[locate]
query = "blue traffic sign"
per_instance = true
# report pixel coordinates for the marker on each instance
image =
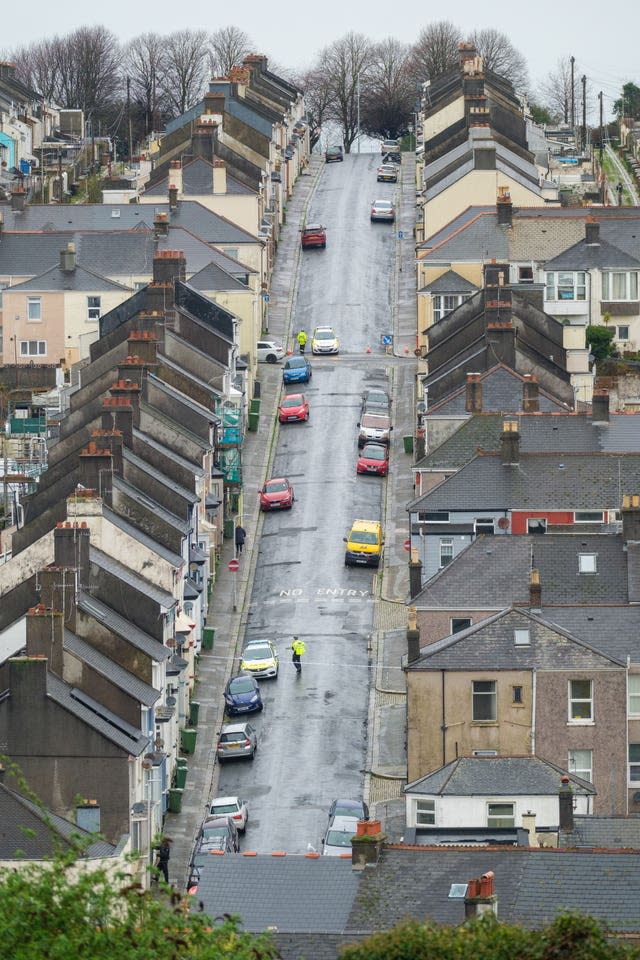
(387, 339)
(266, 297)
(400, 234)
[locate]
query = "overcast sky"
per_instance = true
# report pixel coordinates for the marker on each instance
(603, 37)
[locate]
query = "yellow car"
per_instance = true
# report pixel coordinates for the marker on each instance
(260, 659)
(364, 544)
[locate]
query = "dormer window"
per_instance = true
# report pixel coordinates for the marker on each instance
(620, 285)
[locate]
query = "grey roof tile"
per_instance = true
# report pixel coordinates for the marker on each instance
(197, 180)
(104, 665)
(501, 776)
(182, 526)
(124, 628)
(613, 833)
(612, 629)
(450, 282)
(79, 279)
(103, 721)
(159, 477)
(501, 392)
(593, 256)
(119, 570)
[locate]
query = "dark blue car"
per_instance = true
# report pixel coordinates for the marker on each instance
(296, 370)
(242, 695)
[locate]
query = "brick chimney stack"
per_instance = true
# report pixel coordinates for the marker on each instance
(510, 443)
(501, 335)
(504, 207)
(480, 898)
(473, 399)
(71, 542)
(18, 199)
(413, 637)
(219, 176)
(415, 574)
(592, 231)
(565, 808)
(530, 394)
(160, 225)
(68, 258)
(631, 518)
(600, 407)
(45, 635)
(535, 592)
(169, 265)
(96, 467)
(175, 178)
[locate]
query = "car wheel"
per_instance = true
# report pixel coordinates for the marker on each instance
(271, 358)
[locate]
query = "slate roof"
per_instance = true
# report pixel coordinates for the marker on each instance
(489, 645)
(126, 681)
(95, 715)
(175, 559)
(315, 904)
(494, 571)
(119, 570)
(182, 492)
(613, 833)
(213, 277)
(144, 439)
(197, 180)
(613, 630)
(189, 214)
(78, 279)
(501, 391)
(180, 525)
(593, 256)
(449, 282)
(30, 832)
(124, 628)
(497, 776)
(556, 432)
(540, 481)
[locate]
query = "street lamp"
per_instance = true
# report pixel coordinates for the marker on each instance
(358, 96)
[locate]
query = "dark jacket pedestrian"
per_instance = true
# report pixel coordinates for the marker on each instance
(241, 536)
(164, 853)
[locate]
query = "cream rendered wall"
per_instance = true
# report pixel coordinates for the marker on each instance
(477, 188)
(79, 332)
(472, 811)
(241, 209)
(445, 117)
(245, 306)
(50, 328)
(249, 254)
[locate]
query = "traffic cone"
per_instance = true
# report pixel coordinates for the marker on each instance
(289, 352)
(406, 349)
(368, 350)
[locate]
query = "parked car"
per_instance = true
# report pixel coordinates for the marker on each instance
(375, 400)
(393, 156)
(237, 741)
(383, 210)
(374, 427)
(324, 340)
(349, 808)
(334, 153)
(337, 839)
(364, 544)
(296, 370)
(232, 807)
(293, 407)
(374, 458)
(212, 829)
(387, 173)
(260, 659)
(269, 351)
(313, 235)
(242, 695)
(276, 494)
(389, 145)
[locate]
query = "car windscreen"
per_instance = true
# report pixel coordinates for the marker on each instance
(325, 335)
(242, 685)
(275, 487)
(232, 737)
(374, 452)
(221, 831)
(363, 536)
(224, 808)
(258, 653)
(291, 401)
(295, 362)
(339, 838)
(380, 423)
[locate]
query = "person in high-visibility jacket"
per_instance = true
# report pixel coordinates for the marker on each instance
(298, 649)
(302, 341)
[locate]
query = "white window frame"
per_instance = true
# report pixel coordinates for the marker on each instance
(445, 303)
(526, 274)
(445, 544)
(522, 637)
(620, 286)
(584, 770)
(587, 563)
(496, 819)
(573, 283)
(94, 312)
(484, 522)
(40, 348)
(34, 306)
(575, 702)
(482, 697)
(425, 812)
(633, 694)
(633, 765)
(622, 337)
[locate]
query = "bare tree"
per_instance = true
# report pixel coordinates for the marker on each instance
(145, 66)
(318, 97)
(555, 91)
(186, 68)
(88, 63)
(37, 67)
(229, 47)
(346, 63)
(501, 57)
(435, 51)
(388, 98)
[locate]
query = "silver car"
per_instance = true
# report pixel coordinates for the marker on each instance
(383, 210)
(237, 741)
(337, 839)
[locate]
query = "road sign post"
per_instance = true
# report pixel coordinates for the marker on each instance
(407, 545)
(234, 566)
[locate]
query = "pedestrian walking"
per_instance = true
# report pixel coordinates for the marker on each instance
(241, 536)
(297, 646)
(302, 341)
(164, 853)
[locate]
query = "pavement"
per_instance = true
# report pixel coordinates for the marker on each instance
(385, 773)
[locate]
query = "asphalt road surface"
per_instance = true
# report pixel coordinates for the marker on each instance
(312, 732)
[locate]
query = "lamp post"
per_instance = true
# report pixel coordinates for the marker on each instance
(358, 108)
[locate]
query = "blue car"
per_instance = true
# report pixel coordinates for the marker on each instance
(296, 370)
(242, 695)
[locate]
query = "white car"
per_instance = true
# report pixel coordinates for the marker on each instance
(232, 807)
(260, 659)
(324, 340)
(269, 351)
(337, 839)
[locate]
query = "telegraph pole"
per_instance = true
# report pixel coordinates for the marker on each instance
(129, 121)
(573, 97)
(584, 112)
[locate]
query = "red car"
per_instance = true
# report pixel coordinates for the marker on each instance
(314, 235)
(276, 494)
(373, 458)
(293, 407)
